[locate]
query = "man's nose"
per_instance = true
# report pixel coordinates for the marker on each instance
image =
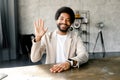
(64, 21)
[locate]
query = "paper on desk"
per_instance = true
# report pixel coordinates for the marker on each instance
(3, 75)
(26, 77)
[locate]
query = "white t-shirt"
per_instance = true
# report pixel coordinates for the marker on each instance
(60, 53)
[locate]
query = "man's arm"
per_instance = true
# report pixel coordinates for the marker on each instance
(38, 47)
(36, 51)
(82, 54)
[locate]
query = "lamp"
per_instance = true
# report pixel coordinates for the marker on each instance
(100, 25)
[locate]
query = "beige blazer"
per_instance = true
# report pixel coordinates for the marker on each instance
(74, 48)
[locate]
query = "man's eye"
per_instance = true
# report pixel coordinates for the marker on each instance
(60, 18)
(68, 20)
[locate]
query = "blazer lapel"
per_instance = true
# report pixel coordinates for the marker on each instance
(53, 39)
(67, 45)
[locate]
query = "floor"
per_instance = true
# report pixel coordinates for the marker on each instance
(21, 61)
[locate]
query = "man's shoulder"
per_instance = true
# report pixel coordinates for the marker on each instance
(73, 33)
(50, 34)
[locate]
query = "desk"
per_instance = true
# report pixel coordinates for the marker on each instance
(97, 69)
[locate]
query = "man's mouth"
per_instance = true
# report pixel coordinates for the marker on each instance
(64, 25)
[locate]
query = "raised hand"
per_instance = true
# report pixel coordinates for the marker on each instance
(39, 29)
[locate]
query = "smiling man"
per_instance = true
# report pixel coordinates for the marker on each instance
(63, 47)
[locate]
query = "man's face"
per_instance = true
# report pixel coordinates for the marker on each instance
(63, 22)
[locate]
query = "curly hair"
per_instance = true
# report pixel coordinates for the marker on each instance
(67, 10)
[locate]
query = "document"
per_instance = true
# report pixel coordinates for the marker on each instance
(3, 75)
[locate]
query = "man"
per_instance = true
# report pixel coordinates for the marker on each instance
(64, 48)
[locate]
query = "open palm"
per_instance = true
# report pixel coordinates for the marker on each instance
(39, 28)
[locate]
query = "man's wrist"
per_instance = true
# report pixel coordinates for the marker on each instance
(72, 62)
(37, 38)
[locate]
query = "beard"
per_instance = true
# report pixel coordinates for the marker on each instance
(63, 30)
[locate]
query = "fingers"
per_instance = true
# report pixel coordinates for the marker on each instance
(60, 67)
(39, 27)
(35, 26)
(56, 68)
(39, 23)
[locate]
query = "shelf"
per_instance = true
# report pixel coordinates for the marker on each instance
(82, 25)
(85, 42)
(85, 32)
(80, 18)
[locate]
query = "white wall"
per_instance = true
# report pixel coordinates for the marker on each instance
(107, 11)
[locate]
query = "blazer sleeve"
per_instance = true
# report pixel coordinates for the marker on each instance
(81, 52)
(37, 50)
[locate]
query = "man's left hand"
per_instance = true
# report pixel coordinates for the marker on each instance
(60, 67)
